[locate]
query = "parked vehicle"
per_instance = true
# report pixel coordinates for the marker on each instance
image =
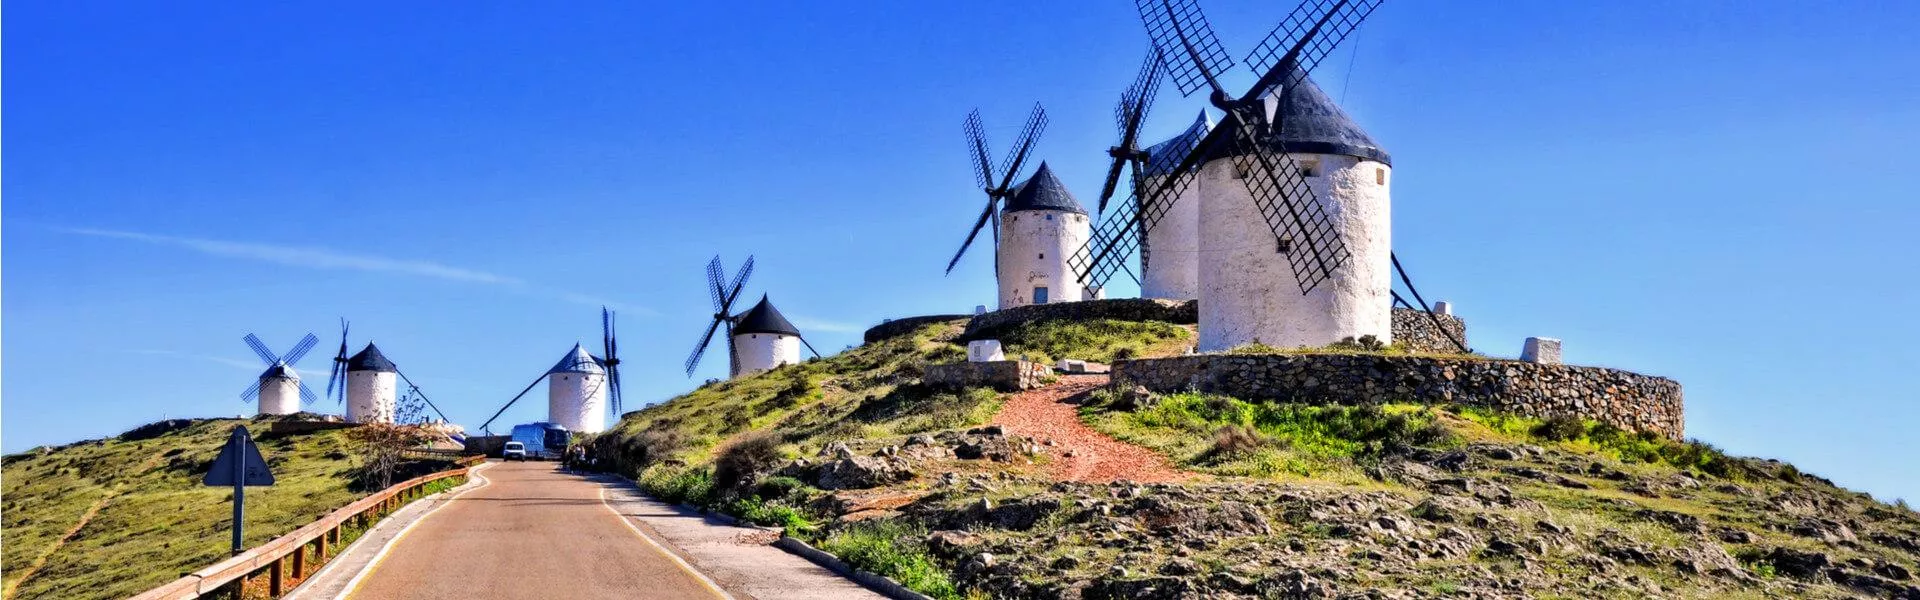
(514, 451)
(543, 441)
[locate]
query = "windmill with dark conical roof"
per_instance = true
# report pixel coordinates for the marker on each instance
(368, 383)
(1293, 236)
(758, 339)
(1041, 226)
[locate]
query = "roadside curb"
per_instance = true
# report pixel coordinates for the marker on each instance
(880, 584)
(886, 586)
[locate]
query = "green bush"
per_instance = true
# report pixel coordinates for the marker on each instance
(1319, 431)
(894, 550)
(769, 514)
(680, 486)
(779, 487)
(1560, 428)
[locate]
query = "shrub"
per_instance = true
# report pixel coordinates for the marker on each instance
(1560, 428)
(1236, 441)
(747, 455)
(779, 487)
(681, 486)
(894, 550)
(769, 514)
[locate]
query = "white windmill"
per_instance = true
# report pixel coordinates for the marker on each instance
(581, 387)
(279, 388)
(368, 383)
(759, 339)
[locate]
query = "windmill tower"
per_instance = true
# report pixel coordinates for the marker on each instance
(1041, 226)
(577, 392)
(581, 387)
(758, 339)
(763, 339)
(1292, 215)
(369, 384)
(372, 384)
(279, 389)
(1170, 254)
(1039, 221)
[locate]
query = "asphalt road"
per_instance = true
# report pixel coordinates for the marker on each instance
(533, 532)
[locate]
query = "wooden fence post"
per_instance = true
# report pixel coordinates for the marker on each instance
(300, 561)
(276, 578)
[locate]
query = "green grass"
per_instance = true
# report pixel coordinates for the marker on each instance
(894, 550)
(1102, 341)
(157, 521)
(1294, 439)
(1590, 436)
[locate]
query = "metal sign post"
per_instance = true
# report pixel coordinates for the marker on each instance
(239, 465)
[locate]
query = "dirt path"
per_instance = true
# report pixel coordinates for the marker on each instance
(1082, 454)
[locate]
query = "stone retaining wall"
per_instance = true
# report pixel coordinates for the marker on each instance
(1414, 330)
(993, 324)
(1003, 375)
(1620, 398)
(906, 326)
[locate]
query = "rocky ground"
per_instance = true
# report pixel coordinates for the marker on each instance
(972, 494)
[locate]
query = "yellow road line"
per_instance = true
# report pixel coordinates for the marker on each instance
(662, 549)
(361, 577)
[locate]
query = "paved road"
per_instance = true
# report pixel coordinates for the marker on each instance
(532, 532)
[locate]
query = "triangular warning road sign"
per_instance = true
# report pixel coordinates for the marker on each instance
(239, 459)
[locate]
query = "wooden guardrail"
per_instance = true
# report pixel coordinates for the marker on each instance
(285, 559)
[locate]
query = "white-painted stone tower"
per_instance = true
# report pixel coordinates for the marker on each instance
(1248, 290)
(279, 390)
(371, 387)
(1040, 227)
(763, 339)
(1170, 256)
(577, 392)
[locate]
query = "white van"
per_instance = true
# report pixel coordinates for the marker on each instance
(514, 451)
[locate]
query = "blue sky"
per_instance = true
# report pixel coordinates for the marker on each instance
(1720, 192)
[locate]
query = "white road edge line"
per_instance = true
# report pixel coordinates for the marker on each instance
(353, 585)
(662, 549)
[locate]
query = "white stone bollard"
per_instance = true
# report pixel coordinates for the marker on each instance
(1068, 365)
(1541, 350)
(984, 351)
(1442, 307)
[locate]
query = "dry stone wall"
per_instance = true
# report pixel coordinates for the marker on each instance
(1623, 399)
(1124, 309)
(1003, 375)
(1417, 332)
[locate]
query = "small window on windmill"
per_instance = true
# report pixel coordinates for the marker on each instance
(1379, 176)
(1043, 256)
(1049, 217)
(1285, 246)
(1309, 168)
(1040, 295)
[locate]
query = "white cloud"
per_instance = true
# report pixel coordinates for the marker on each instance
(253, 365)
(322, 258)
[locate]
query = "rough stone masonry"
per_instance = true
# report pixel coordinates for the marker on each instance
(1623, 399)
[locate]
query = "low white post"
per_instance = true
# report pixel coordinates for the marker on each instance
(985, 351)
(1541, 350)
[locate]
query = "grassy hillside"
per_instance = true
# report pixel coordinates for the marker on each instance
(1283, 501)
(110, 518)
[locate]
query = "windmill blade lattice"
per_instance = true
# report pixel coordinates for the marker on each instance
(1309, 33)
(1299, 222)
(260, 348)
(985, 174)
(300, 349)
(1177, 27)
(723, 297)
